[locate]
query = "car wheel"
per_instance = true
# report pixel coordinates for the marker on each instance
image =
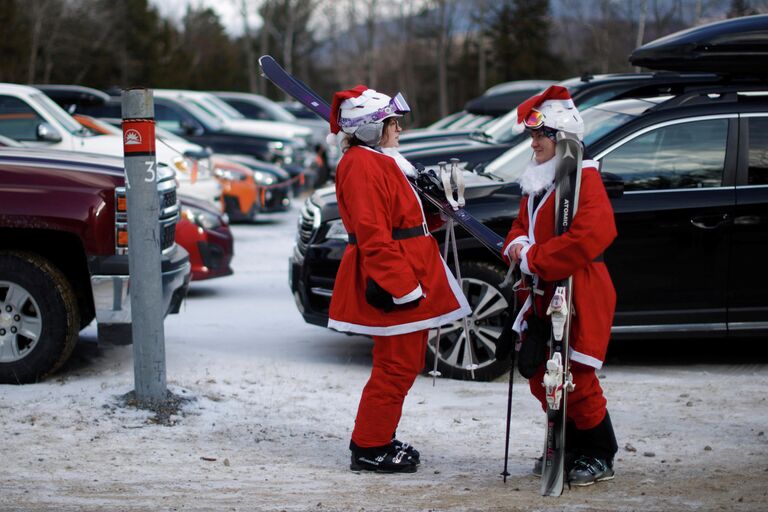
(39, 318)
(459, 351)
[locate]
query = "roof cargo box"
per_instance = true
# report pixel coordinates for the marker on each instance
(737, 46)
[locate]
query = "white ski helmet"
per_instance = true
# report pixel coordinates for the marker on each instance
(361, 112)
(554, 109)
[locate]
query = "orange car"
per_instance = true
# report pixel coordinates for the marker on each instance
(239, 193)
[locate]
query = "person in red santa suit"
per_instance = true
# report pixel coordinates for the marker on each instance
(392, 283)
(545, 258)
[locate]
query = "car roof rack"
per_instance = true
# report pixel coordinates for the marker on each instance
(706, 94)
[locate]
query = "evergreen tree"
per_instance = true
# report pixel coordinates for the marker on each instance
(13, 43)
(213, 56)
(519, 35)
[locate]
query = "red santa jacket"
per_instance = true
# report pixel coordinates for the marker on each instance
(375, 198)
(552, 258)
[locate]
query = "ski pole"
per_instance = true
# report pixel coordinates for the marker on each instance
(505, 473)
(512, 312)
(467, 335)
(448, 231)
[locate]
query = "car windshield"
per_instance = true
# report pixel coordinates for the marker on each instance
(218, 108)
(202, 115)
(277, 112)
(66, 120)
(598, 122)
(502, 130)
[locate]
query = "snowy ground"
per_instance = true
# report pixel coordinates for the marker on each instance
(275, 400)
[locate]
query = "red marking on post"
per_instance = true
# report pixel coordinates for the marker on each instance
(139, 136)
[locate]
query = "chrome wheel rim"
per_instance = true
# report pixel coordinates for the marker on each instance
(20, 322)
(489, 309)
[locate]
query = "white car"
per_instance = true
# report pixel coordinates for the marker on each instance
(194, 175)
(234, 120)
(29, 116)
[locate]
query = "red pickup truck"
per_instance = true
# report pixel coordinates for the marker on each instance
(63, 256)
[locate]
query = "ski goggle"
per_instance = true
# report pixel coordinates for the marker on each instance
(397, 106)
(534, 120)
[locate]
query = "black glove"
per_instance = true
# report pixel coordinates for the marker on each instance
(380, 298)
(533, 351)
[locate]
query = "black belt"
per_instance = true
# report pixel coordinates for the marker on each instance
(400, 233)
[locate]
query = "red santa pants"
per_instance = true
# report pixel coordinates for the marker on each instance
(397, 360)
(586, 403)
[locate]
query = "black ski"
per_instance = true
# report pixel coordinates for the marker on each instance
(557, 380)
(423, 185)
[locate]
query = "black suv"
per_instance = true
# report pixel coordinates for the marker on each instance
(688, 174)
(480, 147)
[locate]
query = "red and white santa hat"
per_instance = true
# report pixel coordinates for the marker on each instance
(554, 109)
(353, 108)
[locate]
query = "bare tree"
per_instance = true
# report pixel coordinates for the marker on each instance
(445, 10)
(254, 84)
(42, 16)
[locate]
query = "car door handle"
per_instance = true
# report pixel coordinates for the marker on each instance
(710, 221)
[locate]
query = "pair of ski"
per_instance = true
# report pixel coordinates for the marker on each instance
(427, 185)
(423, 185)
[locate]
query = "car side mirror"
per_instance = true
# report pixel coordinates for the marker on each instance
(613, 184)
(190, 127)
(200, 154)
(47, 133)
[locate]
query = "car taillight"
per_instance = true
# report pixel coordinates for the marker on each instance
(121, 237)
(121, 221)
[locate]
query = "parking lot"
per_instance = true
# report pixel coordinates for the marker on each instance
(275, 398)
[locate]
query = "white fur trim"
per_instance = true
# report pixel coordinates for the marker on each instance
(408, 297)
(537, 177)
(429, 323)
(585, 359)
(394, 330)
(518, 326)
(524, 260)
(337, 139)
(522, 239)
(401, 161)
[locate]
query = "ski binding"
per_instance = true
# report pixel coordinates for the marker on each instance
(558, 311)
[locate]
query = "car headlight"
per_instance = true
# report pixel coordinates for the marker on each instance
(281, 151)
(336, 231)
(226, 174)
(263, 178)
(202, 218)
(180, 164)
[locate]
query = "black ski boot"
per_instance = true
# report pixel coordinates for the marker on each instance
(588, 470)
(596, 451)
(381, 459)
(407, 448)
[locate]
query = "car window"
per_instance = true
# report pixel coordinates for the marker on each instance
(168, 118)
(18, 120)
(584, 103)
(54, 110)
(758, 151)
(249, 110)
(678, 156)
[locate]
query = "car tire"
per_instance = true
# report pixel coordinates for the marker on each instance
(490, 309)
(39, 318)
